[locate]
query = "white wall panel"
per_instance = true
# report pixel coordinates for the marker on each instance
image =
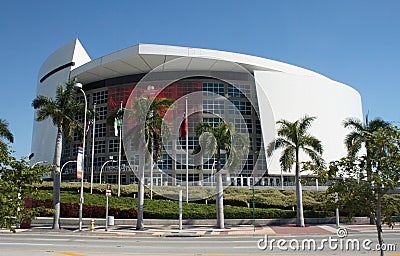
(293, 96)
(44, 132)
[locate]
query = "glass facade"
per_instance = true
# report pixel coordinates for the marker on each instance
(111, 93)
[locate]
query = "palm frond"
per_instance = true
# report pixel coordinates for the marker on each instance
(288, 130)
(62, 109)
(305, 124)
(5, 132)
(315, 156)
(41, 101)
(148, 126)
(377, 123)
(360, 131)
(353, 142)
(277, 144)
(353, 123)
(293, 136)
(287, 158)
(203, 127)
(312, 142)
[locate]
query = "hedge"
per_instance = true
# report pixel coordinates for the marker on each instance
(269, 203)
(71, 210)
(167, 209)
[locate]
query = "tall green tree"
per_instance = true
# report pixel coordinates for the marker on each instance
(147, 133)
(293, 137)
(62, 110)
(355, 140)
(383, 159)
(16, 179)
(5, 132)
(225, 138)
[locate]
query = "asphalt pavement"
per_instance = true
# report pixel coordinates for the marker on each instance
(168, 240)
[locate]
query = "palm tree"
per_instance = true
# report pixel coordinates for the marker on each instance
(148, 116)
(5, 132)
(222, 138)
(62, 110)
(359, 134)
(294, 137)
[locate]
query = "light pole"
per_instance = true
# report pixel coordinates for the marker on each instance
(337, 209)
(62, 167)
(93, 133)
(119, 154)
(102, 167)
(254, 207)
(151, 174)
(150, 88)
(187, 150)
(79, 86)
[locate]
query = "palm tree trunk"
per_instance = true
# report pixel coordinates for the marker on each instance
(216, 199)
(220, 201)
(299, 195)
(378, 222)
(139, 223)
(56, 180)
(368, 167)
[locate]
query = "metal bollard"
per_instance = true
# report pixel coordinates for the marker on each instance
(92, 225)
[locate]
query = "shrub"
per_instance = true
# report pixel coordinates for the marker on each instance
(269, 203)
(317, 214)
(71, 210)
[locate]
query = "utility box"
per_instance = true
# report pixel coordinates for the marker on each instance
(110, 220)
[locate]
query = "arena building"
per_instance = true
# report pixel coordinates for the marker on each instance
(251, 92)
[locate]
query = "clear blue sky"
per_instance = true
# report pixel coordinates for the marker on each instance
(356, 42)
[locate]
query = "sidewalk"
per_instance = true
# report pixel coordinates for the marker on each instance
(199, 231)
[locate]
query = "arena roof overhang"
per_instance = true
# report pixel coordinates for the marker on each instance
(143, 58)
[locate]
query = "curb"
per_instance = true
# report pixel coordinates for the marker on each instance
(201, 222)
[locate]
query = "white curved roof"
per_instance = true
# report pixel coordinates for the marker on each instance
(143, 58)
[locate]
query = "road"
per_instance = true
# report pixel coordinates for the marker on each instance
(76, 244)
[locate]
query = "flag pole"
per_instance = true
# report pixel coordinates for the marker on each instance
(119, 155)
(93, 135)
(187, 151)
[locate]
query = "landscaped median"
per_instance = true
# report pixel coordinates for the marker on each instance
(269, 204)
(166, 209)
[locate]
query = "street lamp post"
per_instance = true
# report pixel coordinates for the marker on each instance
(62, 167)
(254, 207)
(102, 167)
(79, 86)
(337, 209)
(150, 88)
(151, 174)
(187, 150)
(93, 136)
(119, 155)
